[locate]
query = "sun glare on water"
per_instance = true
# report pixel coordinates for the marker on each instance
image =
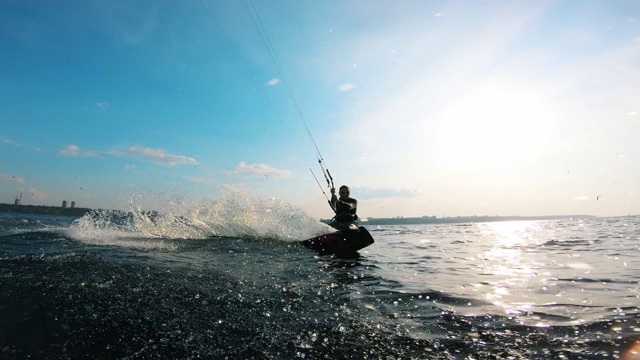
(512, 269)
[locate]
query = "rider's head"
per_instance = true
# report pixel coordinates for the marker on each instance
(344, 192)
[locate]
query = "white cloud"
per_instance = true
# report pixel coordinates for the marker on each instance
(144, 153)
(103, 105)
(346, 87)
(259, 170)
(159, 156)
(11, 142)
(70, 150)
(74, 151)
(272, 82)
(232, 188)
(12, 178)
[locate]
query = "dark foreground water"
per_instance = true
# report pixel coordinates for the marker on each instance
(107, 287)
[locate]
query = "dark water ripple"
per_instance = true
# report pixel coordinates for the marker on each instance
(481, 292)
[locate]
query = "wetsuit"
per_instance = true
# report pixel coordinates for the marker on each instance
(346, 214)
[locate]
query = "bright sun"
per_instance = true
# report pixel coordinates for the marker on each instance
(496, 125)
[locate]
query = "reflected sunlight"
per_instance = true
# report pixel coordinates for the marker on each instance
(509, 264)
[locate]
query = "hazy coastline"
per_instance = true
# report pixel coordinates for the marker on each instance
(44, 210)
(78, 212)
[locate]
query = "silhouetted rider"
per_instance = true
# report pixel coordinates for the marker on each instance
(345, 208)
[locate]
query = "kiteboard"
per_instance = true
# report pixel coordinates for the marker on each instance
(343, 242)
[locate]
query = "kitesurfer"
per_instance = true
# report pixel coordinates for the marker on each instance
(345, 208)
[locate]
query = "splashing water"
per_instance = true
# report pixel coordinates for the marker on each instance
(239, 215)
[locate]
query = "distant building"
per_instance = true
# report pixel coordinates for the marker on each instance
(64, 204)
(73, 204)
(18, 200)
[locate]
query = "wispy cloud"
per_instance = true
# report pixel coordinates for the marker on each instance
(18, 145)
(272, 82)
(144, 153)
(7, 177)
(70, 150)
(244, 169)
(74, 151)
(102, 105)
(159, 156)
(346, 87)
(378, 193)
(11, 142)
(232, 188)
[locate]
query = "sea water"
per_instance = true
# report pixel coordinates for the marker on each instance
(227, 279)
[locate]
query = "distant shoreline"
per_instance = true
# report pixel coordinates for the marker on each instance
(79, 212)
(460, 219)
(44, 210)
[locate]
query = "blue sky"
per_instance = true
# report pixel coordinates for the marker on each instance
(423, 107)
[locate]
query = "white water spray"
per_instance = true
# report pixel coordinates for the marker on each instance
(239, 215)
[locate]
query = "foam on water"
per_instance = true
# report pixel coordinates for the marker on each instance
(239, 215)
